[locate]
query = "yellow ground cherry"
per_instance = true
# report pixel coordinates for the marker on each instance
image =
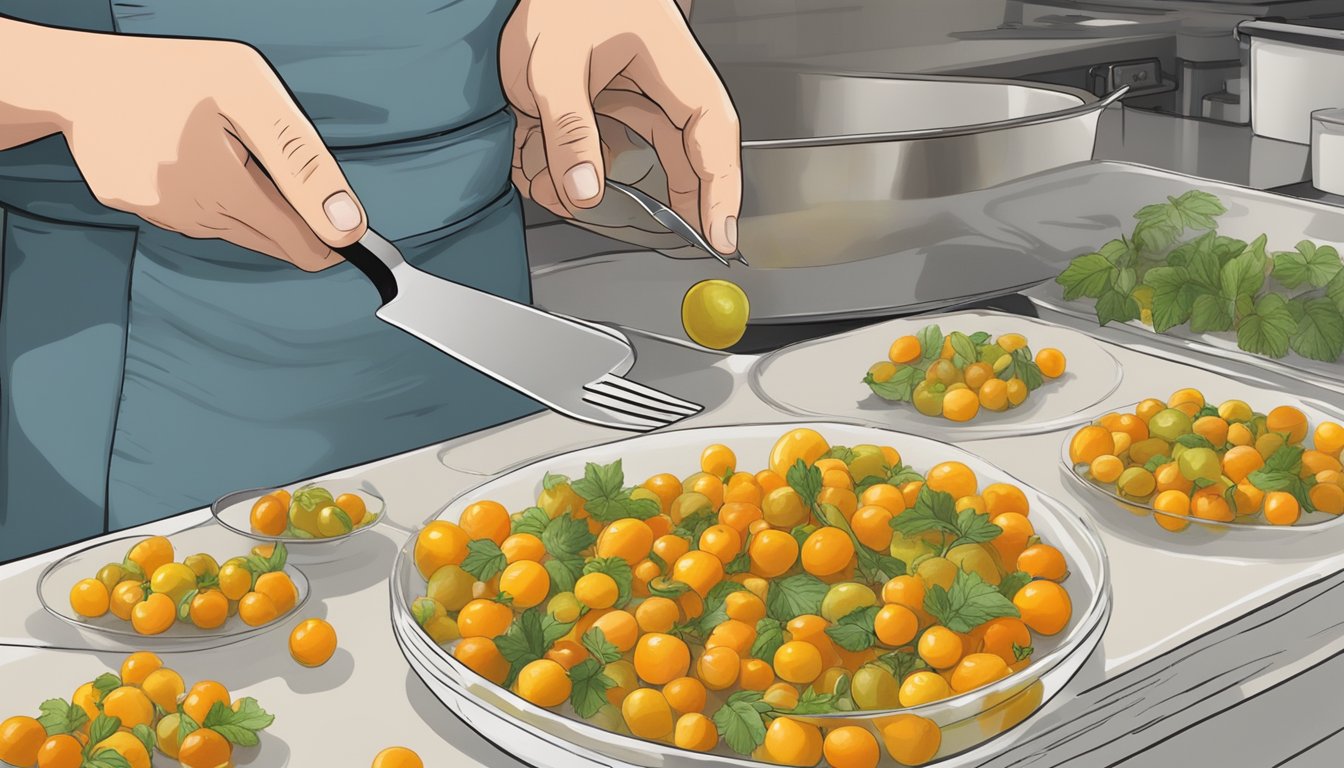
(61, 751)
(851, 746)
(895, 625)
(698, 570)
(164, 687)
(872, 525)
(695, 732)
(527, 582)
(397, 757)
(940, 647)
(312, 642)
(480, 655)
(660, 659)
(154, 615)
(961, 405)
(486, 520)
(826, 551)
(798, 662)
(911, 739)
(204, 748)
(685, 694)
(544, 682)
(1281, 508)
(202, 697)
(522, 546)
(90, 598)
(1089, 443)
(772, 553)
(280, 588)
(1290, 420)
(657, 614)
(596, 590)
(256, 609)
(647, 714)
(131, 748)
(1042, 561)
(976, 670)
(20, 740)
(440, 543)
(904, 349)
(722, 542)
(627, 538)
(952, 477)
(1045, 606)
(484, 618)
(209, 609)
(718, 668)
(793, 742)
(755, 675)
(744, 606)
(620, 629)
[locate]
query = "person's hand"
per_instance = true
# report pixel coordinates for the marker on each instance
(636, 61)
(207, 142)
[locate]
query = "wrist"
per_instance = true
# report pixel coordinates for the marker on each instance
(42, 79)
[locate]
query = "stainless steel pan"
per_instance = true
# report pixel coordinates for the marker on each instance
(828, 159)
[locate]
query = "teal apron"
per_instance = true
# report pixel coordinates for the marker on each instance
(143, 373)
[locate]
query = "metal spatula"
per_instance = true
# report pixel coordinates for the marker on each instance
(571, 366)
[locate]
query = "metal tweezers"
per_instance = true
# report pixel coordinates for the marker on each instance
(674, 223)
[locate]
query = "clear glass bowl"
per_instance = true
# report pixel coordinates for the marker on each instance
(107, 632)
(234, 512)
(1082, 475)
(543, 737)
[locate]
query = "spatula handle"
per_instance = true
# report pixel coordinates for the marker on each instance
(375, 257)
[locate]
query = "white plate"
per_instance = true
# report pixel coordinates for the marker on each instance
(824, 378)
(107, 632)
(542, 737)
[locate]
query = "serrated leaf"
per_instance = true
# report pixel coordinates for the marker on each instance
(769, 637)
(1116, 307)
(970, 603)
(551, 481)
(933, 511)
(566, 536)
(1012, 583)
(1268, 330)
(715, 610)
(102, 727)
(605, 496)
(533, 520)
(1087, 276)
(1320, 330)
(1211, 313)
(589, 686)
(1244, 275)
(1288, 458)
(595, 641)
(527, 639)
(902, 663)
(855, 631)
(900, 388)
(1192, 440)
(146, 737)
(185, 725)
(810, 702)
(620, 572)
(1308, 264)
(1173, 296)
(484, 559)
(564, 573)
(805, 480)
(106, 683)
(741, 723)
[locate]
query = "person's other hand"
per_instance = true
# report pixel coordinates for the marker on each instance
(201, 137)
(562, 61)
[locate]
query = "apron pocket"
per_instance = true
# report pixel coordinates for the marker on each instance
(64, 294)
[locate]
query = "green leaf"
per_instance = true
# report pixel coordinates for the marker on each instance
(1205, 263)
(106, 683)
(619, 571)
(694, 524)
(974, 528)
(741, 721)
(533, 520)
(1022, 653)
(590, 684)
(1211, 314)
(241, 737)
(1156, 462)
(1126, 279)
(840, 452)
(900, 388)
(1288, 458)
(741, 563)
(980, 338)
(528, 638)
(970, 603)
(1116, 307)
(902, 663)
(1320, 330)
(108, 758)
(1089, 276)
(963, 348)
(550, 481)
(1244, 275)
(1192, 440)
(930, 342)
(1195, 210)
(769, 636)
(102, 727)
(605, 497)
(669, 588)
(855, 631)
(311, 497)
(146, 737)
(933, 511)
(566, 536)
(1119, 253)
(599, 647)
(811, 703)
(795, 596)
(1026, 369)
(1268, 330)
(59, 716)
(564, 572)
(218, 715)
(1012, 583)
(1307, 265)
(806, 481)
(484, 559)
(878, 567)
(1173, 296)
(185, 725)
(1335, 290)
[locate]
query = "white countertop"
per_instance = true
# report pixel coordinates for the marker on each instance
(1173, 599)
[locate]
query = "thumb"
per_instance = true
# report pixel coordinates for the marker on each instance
(305, 172)
(569, 130)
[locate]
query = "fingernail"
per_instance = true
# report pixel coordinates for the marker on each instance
(342, 211)
(581, 182)
(730, 232)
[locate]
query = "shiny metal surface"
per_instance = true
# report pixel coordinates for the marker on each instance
(828, 159)
(669, 218)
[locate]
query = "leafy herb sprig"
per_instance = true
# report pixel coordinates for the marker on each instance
(1273, 302)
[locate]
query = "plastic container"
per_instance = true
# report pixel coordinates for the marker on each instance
(1295, 70)
(1327, 150)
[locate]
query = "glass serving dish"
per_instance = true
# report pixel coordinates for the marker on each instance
(540, 736)
(107, 632)
(234, 512)
(824, 378)
(1315, 414)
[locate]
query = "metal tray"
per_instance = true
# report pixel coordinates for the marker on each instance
(824, 378)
